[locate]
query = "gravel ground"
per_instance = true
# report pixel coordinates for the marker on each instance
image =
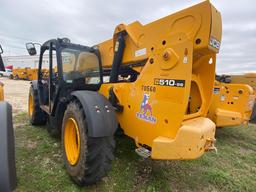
(16, 93)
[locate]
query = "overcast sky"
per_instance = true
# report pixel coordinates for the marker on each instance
(90, 22)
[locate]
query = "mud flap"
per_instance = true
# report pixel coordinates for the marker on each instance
(8, 180)
(100, 114)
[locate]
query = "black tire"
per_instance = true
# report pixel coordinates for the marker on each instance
(37, 116)
(1, 75)
(11, 76)
(8, 178)
(96, 154)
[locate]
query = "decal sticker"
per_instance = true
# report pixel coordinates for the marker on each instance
(216, 91)
(170, 82)
(140, 52)
(222, 98)
(235, 97)
(146, 110)
(185, 59)
(148, 88)
(116, 46)
(214, 43)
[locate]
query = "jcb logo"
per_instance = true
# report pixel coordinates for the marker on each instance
(214, 43)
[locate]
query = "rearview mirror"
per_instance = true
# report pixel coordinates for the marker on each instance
(1, 49)
(31, 48)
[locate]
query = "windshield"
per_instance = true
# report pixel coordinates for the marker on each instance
(79, 64)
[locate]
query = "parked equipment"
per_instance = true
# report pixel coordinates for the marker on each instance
(7, 151)
(232, 104)
(32, 74)
(154, 80)
(248, 79)
(19, 73)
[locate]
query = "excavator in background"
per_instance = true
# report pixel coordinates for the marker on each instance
(247, 79)
(7, 148)
(153, 81)
(232, 104)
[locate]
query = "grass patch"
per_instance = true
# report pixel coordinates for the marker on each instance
(40, 166)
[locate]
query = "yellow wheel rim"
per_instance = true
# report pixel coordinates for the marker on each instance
(72, 141)
(30, 106)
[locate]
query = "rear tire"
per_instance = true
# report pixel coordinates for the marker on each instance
(36, 115)
(94, 155)
(16, 77)
(8, 178)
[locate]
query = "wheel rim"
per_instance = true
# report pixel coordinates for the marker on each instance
(31, 106)
(72, 141)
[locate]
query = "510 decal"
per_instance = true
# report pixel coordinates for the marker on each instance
(169, 82)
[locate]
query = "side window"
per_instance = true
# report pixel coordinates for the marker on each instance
(80, 65)
(46, 65)
(88, 64)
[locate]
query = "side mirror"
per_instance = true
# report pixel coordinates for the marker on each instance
(1, 49)
(31, 49)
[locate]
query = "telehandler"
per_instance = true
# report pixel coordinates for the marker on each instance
(19, 73)
(32, 74)
(246, 78)
(7, 151)
(232, 104)
(154, 81)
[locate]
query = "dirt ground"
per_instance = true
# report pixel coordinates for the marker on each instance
(16, 93)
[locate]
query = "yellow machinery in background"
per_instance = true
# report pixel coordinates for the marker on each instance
(1, 91)
(28, 73)
(155, 81)
(8, 180)
(246, 78)
(32, 74)
(232, 104)
(20, 73)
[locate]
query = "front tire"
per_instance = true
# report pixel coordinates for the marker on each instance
(36, 115)
(87, 159)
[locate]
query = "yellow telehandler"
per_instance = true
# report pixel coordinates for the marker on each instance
(32, 74)
(7, 148)
(232, 104)
(154, 81)
(19, 73)
(246, 78)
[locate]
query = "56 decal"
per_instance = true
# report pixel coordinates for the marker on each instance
(170, 82)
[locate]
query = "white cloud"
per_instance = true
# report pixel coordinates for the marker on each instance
(90, 22)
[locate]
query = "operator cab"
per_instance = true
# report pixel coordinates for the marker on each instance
(67, 67)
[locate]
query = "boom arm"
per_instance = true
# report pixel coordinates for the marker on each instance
(175, 61)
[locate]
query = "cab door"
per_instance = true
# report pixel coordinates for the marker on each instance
(47, 76)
